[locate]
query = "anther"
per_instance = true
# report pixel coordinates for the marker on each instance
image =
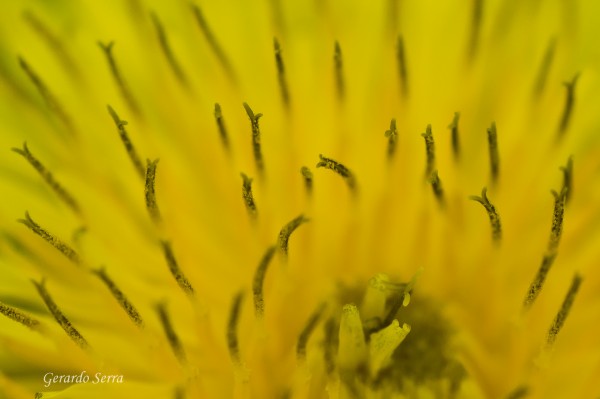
(19, 317)
(562, 314)
(308, 179)
(47, 95)
(402, 299)
(436, 185)
(133, 156)
(339, 71)
(307, 331)
(232, 326)
(172, 337)
(182, 281)
(258, 159)
(62, 247)
(119, 80)
(476, 22)
(221, 126)
(60, 318)
(402, 68)
(557, 219)
(493, 149)
(392, 135)
(150, 192)
(258, 282)
(119, 296)
(429, 151)
(542, 76)
(455, 137)
(493, 215)
(352, 345)
(538, 282)
(341, 170)
(213, 43)
(283, 87)
(63, 194)
(569, 104)
(248, 196)
(166, 49)
(286, 232)
(568, 179)
(383, 343)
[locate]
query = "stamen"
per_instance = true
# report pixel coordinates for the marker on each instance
(221, 125)
(213, 43)
(49, 178)
(52, 41)
(476, 22)
(436, 185)
(119, 296)
(59, 316)
(47, 95)
(248, 197)
(150, 193)
(403, 299)
(307, 331)
(287, 230)
(392, 135)
(258, 159)
(182, 281)
(562, 314)
(569, 104)
(402, 69)
(116, 73)
(557, 219)
(538, 282)
(172, 337)
(339, 72)
(329, 345)
(133, 156)
(285, 94)
(542, 77)
(455, 138)
(65, 249)
(493, 147)
(308, 179)
(491, 210)
(518, 393)
(232, 335)
(568, 179)
(340, 169)
(429, 151)
(383, 344)
(352, 347)
(19, 317)
(373, 305)
(166, 49)
(259, 279)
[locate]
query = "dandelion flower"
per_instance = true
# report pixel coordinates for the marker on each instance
(352, 199)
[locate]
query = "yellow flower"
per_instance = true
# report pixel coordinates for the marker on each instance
(353, 258)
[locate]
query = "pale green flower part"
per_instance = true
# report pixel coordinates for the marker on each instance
(334, 267)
